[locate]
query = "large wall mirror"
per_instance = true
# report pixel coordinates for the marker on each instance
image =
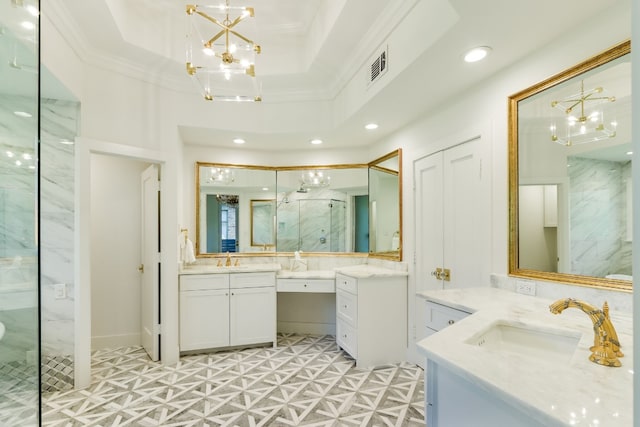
(313, 209)
(570, 175)
(385, 206)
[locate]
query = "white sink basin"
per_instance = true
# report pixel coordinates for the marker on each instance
(542, 344)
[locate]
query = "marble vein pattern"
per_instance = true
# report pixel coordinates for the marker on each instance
(598, 217)
(305, 381)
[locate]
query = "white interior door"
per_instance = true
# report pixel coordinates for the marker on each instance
(451, 218)
(150, 267)
(428, 175)
(465, 224)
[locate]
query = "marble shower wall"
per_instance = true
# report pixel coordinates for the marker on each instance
(598, 205)
(313, 222)
(18, 250)
(59, 124)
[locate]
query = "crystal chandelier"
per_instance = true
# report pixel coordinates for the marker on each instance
(584, 117)
(221, 176)
(315, 179)
(220, 60)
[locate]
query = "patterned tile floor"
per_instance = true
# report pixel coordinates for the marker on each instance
(306, 381)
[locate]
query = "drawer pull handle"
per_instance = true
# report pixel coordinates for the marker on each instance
(345, 306)
(305, 285)
(451, 322)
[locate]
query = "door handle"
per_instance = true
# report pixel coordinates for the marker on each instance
(141, 268)
(442, 274)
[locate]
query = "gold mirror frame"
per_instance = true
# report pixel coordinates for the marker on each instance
(514, 270)
(377, 164)
(380, 164)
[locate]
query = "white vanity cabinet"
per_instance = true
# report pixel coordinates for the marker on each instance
(221, 310)
(440, 316)
(320, 286)
(371, 318)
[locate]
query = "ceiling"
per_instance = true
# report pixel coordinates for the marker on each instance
(315, 55)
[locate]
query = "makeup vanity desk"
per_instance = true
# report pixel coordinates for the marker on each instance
(367, 303)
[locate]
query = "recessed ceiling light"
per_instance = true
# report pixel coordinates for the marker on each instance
(477, 53)
(316, 141)
(27, 25)
(239, 141)
(629, 153)
(371, 126)
(66, 142)
(265, 188)
(22, 114)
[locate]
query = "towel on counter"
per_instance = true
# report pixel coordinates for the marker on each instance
(188, 255)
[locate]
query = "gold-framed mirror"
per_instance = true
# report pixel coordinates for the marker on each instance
(223, 206)
(570, 217)
(385, 189)
(316, 209)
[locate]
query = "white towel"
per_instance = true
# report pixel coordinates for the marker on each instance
(188, 254)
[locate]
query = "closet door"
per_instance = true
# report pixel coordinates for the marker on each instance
(428, 188)
(466, 223)
(452, 219)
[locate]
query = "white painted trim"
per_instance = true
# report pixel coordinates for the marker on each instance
(114, 341)
(307, 328)
(84, 147)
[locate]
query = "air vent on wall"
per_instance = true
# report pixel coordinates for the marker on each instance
(379, 66)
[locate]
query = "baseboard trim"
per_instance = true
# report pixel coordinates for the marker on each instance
(114, 341)
(307, 328)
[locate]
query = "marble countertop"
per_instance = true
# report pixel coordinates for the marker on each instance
(309, 274)
(365, 271)
(242, 268)
(576, 393)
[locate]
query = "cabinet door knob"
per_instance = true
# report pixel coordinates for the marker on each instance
(451, 322)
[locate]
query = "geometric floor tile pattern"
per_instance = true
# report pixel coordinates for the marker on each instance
(305, 381)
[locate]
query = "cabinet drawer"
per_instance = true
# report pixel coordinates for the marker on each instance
(347, 283)
(201, 282)
(253, 280)
(347, 338)
(347, 307)
(309, 285)
(440, 316)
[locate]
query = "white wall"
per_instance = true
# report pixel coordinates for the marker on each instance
(115, 251)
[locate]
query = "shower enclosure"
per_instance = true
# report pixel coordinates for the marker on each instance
(312, 225)
(19, 236)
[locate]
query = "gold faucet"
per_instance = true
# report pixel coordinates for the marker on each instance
(606, 347)
(228, 262)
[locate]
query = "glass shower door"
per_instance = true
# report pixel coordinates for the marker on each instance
(19, 248)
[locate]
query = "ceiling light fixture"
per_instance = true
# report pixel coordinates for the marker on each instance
(222, 63)
(239, 141)
(316, 141)
(221, 176)
(371, 126)
(22, 114)
(314, 179)
(477, 54)
(583, 118)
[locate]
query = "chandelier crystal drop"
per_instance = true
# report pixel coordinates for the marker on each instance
(219, 59)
